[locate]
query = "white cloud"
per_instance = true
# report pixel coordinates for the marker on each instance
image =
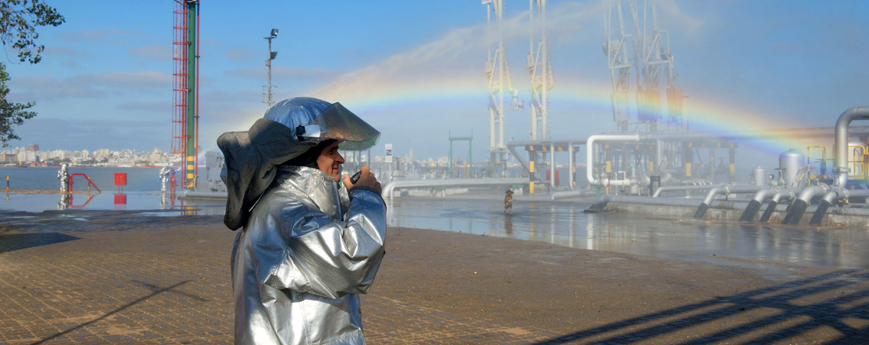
(157, 52)
(163, 107)
(676, 17)
(64, 51)
(108, 35)
(86, 85)
(244, 54)
(140, 79)
(284, 73)
(48, 88)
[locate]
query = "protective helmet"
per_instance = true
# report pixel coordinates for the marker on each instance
(314, 120)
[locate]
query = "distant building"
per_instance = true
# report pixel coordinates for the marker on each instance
(443, 161)
(8, 157)
(33, 148)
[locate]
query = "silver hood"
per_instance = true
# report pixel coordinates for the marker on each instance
(303, 257)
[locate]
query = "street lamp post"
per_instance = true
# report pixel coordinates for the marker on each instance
(267, 94)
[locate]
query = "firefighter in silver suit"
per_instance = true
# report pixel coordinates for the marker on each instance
(310, 241)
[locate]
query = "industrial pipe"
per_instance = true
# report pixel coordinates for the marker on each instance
(754, 204)
(722, 191)
(552, 167)
(390, 187)
(786, 194)
(681, 188)
(841, 146)
(574, 193)
(601, 202)
(589, 158)
(824, 205)
(571, 166)
(802, 202)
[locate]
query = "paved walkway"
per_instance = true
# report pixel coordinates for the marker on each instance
(126, 278)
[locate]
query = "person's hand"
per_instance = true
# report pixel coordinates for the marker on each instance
(366, 179)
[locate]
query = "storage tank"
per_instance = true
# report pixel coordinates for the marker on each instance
(790, 163)
(758, 176)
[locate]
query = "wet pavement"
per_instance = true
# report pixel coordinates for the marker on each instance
(565, 224)
(561, 223)
(109, 200)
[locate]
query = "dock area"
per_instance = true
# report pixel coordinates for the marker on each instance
(124, 278)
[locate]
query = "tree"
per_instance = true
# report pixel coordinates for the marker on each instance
(11, 113)
(18, 22)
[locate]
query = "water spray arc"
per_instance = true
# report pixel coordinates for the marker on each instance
(498, 73)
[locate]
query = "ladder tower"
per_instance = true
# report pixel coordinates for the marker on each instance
(185, 106)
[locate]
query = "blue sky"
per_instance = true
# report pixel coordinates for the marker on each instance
(105, 78)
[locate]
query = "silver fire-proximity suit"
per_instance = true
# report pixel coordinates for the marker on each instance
(303, 257)
(307, 247)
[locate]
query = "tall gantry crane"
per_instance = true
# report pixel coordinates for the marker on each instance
(541, 72)
(655, 62)
(498, 73)
(616, 50)
(541, 82)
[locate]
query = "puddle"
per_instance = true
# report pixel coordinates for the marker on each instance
(567, 225)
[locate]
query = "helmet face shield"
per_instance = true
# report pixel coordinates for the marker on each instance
(338, 123)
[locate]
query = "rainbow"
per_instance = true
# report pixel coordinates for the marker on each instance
(714, 117)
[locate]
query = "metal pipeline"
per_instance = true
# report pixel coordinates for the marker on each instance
(827, 200)
(802, 202)
(601, 202)
(681, 188)
(589, 158)
(785, 194)
(390, 187)
(841, 146)
(571, 194)
(722, 190)
(754, 205)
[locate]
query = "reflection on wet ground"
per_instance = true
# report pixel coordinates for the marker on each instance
(110, 201)
(558, 223)
(565, 224)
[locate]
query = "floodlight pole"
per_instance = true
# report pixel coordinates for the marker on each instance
(267, 97)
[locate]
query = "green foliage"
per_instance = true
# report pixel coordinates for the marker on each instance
(11, 113)
(18, 22)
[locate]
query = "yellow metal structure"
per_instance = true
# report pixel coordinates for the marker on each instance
(815, 174)
(858, 162)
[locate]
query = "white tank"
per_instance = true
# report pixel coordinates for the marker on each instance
(758, 176)
(790, 163)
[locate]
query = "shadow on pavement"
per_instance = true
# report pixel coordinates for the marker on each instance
(839, 299)
(11, 242)
(155, 292)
